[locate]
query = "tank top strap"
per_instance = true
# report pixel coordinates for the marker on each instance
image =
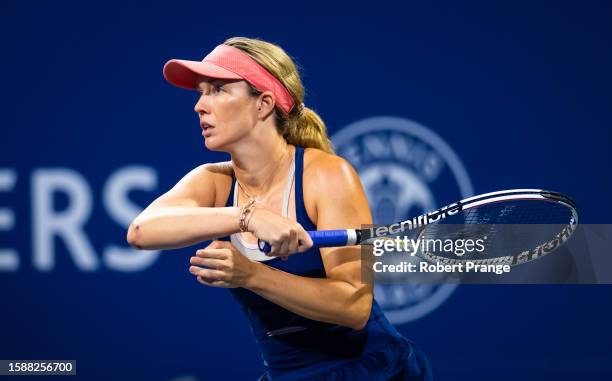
(290, 181)
(300, 208)
(230, 198)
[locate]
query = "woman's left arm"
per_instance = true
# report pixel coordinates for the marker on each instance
(341, 298)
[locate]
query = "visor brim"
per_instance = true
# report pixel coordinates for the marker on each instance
(183, 73)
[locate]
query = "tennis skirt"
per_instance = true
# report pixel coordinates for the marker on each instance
(401, 360)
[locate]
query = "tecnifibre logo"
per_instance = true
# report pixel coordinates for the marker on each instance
(406, 170)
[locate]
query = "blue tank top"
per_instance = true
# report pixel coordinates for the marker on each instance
(292, 346)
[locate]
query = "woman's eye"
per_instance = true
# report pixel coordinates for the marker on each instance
(210, 90)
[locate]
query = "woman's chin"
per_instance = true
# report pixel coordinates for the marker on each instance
(212, 144)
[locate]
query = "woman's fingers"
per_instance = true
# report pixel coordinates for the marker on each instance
(289, 242)
(210, 282)
(213, 253)
(221, 267)
(205, 281)
(216, 244)
(305, 241)
(293, 242)
(208, 262)
(284, 248)
(208, 273)
(279, 232)
(274, 249)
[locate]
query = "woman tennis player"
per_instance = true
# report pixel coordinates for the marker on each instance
(310, 313)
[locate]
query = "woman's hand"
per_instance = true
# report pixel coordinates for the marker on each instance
(224, 266)
(284, 236)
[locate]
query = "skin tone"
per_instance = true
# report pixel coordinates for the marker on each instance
(194, 210)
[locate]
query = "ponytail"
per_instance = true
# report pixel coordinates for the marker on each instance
(302, 127)
(306, 129)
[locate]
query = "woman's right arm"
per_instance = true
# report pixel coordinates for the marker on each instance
(186, 214)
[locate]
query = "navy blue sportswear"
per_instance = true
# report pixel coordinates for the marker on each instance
(296, 348)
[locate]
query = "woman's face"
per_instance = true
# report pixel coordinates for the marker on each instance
(226, 110)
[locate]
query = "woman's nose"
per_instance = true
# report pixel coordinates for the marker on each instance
(201, 105)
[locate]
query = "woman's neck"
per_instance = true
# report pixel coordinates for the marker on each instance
(258, 166)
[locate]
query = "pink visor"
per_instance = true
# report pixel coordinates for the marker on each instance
(227, 62)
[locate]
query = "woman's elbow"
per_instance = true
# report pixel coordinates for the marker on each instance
(361, 314)
(359, 322)
(134, 235)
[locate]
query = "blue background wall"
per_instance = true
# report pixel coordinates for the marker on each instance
(521, 92)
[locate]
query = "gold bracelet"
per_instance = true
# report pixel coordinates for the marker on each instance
(246, 211)
(248, 218)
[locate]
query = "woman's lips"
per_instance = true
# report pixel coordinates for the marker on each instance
(206, 129)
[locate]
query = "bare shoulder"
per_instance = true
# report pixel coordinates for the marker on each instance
(204, 174)
(325, 169)
(204, 185)
(222, 172)
(222, 169)
(333, 193)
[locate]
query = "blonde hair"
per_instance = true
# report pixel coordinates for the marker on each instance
(302, 126)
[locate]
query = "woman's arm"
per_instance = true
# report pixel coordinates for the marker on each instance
(186, 214)
(341, 298)
(173, 227)
(324, 299)
(194, 211)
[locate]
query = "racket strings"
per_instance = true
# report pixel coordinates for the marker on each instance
(516, 212)
(491, 231)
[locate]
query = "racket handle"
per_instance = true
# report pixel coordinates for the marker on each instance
(323, 238)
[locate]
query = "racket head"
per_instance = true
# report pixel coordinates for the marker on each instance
(505, 227)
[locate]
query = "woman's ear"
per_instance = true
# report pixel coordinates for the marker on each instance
(266, 104)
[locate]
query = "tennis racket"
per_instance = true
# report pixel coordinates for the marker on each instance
(514, 226)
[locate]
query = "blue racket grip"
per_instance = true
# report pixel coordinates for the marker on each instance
(320, 238)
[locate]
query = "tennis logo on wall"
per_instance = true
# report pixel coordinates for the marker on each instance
(406, 170)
